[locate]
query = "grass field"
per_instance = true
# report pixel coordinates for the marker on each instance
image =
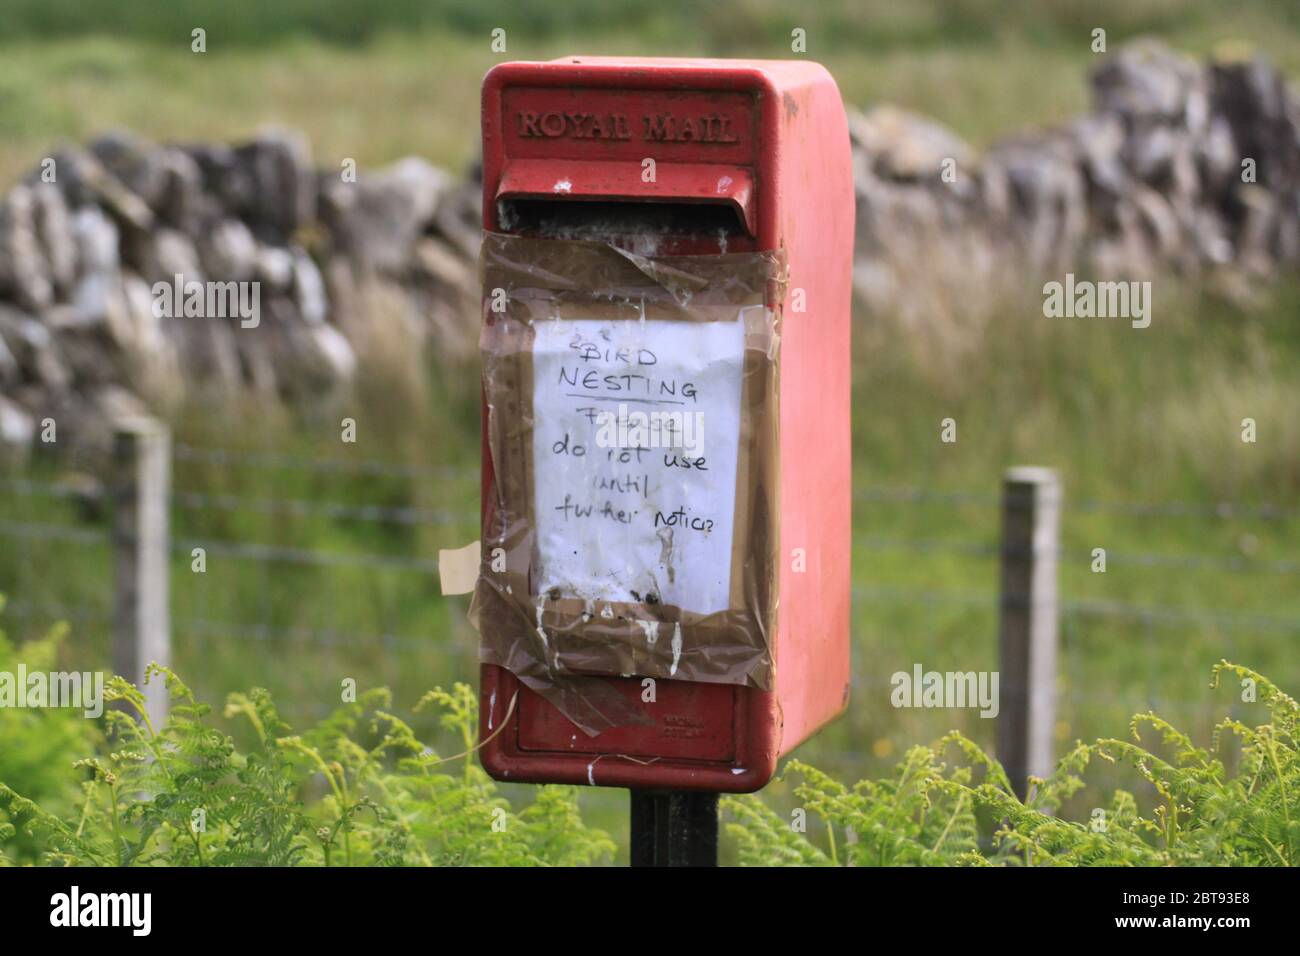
(1130, 416)
(389, 91)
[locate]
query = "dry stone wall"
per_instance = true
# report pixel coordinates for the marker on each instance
(1179, 166)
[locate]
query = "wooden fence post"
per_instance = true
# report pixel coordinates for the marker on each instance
(141, 483)
(1027, 633)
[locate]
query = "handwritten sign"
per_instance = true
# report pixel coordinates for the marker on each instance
(635, 440)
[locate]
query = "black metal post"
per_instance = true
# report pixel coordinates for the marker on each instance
(674, 828)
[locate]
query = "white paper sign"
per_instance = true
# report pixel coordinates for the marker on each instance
(636, 429)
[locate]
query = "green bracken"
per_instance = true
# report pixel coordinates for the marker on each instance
(359, 789)
(1231, 805)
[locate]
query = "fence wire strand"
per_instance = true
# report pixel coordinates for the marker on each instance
(85, 488)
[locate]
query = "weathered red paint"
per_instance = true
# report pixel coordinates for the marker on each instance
(769, 139)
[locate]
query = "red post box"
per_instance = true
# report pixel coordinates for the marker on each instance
(702, 158)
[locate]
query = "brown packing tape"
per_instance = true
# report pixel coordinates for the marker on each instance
(556, 643)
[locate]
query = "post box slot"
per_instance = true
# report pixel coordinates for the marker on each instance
(563, 199)
(594, 219)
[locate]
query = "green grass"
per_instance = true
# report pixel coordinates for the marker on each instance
(395, 88)
(858, 25)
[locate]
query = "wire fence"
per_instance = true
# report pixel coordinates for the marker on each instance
(1225, 510)
(369, 543)
(273, 553)
(351, 466)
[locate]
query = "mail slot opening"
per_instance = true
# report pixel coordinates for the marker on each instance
(593, 219)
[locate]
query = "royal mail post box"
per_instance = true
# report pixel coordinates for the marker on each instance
(668, 247)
